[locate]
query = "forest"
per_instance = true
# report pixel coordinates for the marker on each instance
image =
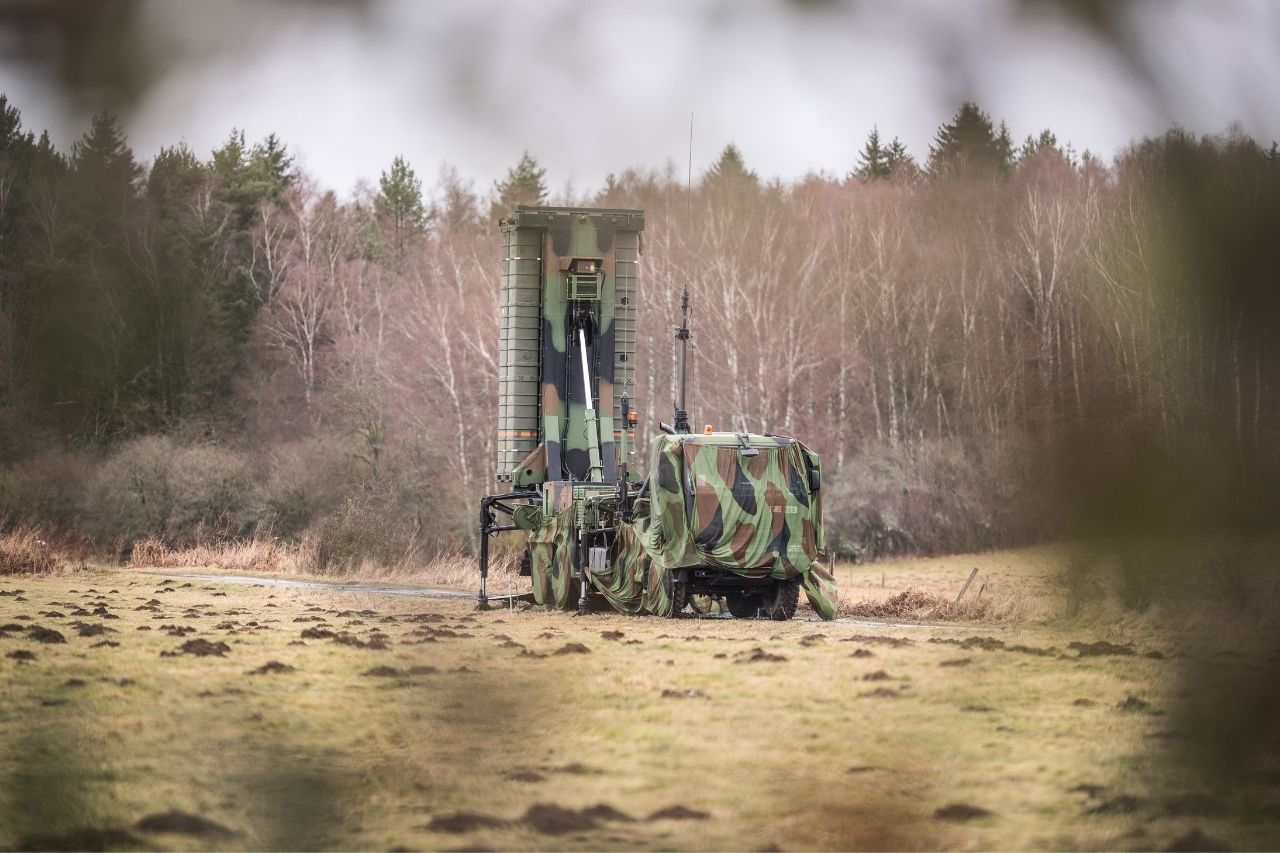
(992, 343)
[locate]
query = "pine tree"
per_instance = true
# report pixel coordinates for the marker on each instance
(399, 202)
(272, 167)
(899, 160)
(873, 160)
(729, 175)
(106, 174)
(193, 317)
(87, 346)
(1004, 149)
(968, 146)
(245, 177)
(11, 135)
(525, 183)
(1032, 144)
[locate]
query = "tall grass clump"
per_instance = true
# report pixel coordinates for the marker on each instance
(24, 552)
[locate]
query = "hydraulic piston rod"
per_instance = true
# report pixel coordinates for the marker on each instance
(593, 430)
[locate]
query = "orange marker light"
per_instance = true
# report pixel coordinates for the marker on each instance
(632, 417)
(706, 430)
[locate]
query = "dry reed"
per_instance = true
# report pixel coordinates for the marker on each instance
(924, 606)
(24, 552)
(453, 568)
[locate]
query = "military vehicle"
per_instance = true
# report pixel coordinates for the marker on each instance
(721, 516)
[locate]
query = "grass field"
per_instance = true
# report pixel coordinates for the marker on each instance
(318, 719)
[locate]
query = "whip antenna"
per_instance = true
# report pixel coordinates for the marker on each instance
(681, 424)
(688, 186)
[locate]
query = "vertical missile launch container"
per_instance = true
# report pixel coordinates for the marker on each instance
(733, 517)
(565, 271)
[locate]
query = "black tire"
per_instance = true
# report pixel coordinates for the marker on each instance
(679, 598)
(781, 602)
(743, 605)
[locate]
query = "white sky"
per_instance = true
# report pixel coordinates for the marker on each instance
(594, 87)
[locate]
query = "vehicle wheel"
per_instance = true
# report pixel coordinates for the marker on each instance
(743, 605)
(679, 598)
(702, 604)
(780, 604)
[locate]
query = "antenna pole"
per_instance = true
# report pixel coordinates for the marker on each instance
(682, 336)
(688, 186)
(681, 424)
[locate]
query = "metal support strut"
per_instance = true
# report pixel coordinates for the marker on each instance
(489, 527)
(581, 555)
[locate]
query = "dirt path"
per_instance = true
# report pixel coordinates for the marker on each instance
(494, 600)
(361, 588)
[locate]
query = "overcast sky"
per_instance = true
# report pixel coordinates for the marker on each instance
(595, 87)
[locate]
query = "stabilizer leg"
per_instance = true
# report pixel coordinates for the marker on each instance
(580, 554)
(487, 522)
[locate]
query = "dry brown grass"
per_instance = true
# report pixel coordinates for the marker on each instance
(268, 556)
(915, 605)
(252, 555)
(23, 551)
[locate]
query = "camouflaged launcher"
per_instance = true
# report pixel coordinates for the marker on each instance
(724, 519)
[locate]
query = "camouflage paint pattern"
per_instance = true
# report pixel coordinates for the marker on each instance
(551, 562)
(550, 240)
(632, 582)
(708, 504)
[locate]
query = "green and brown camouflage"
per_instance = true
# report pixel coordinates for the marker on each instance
(743, 503)
(737, 516)
(565, 270)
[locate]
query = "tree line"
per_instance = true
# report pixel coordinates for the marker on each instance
(999, 343)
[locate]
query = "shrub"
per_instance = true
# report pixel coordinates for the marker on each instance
(931, 497)
(154, 487)
(304, 480)
(362, 531)
(45, 490)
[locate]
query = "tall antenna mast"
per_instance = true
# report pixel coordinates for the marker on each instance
(681, 424)
(689, 177)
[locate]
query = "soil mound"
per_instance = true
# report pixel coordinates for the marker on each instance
(45, 635)
(550, 819)
(464, 821)
(1134, 705)
(679, 813)
(962, 812)
(606, 812)
(201, 647)
(270, 667)
(758, 655)
(383, 672)
(872, 639)
(181, 823)
(1100, 649)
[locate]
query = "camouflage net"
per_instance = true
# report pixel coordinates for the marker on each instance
(707, 504)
